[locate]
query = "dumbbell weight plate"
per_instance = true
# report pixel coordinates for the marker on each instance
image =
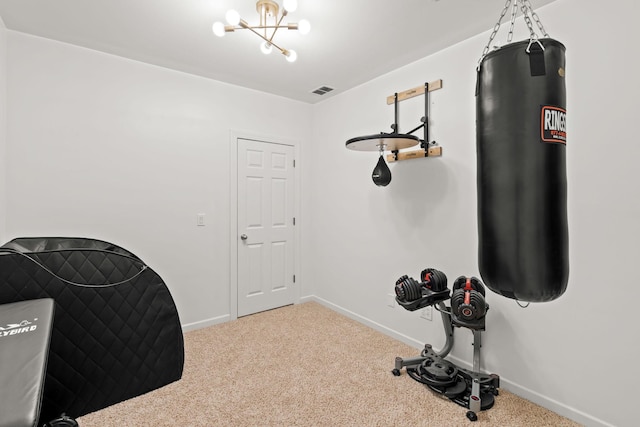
(439, 372)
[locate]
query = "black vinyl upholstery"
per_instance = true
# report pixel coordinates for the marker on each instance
(116, 332)
(25, 332)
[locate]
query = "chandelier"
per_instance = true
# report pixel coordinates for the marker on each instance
(270, 19)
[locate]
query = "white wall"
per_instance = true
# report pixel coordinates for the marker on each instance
(106, 147)
(577, 355)
(115, 149)
(3, 128)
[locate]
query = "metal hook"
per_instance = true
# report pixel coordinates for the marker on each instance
(531, 41)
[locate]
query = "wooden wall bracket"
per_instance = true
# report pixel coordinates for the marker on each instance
(410, 93)
(434, 151)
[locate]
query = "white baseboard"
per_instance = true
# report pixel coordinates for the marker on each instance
(517, 389)
(205, 323)
(553, 405)
(375, 325)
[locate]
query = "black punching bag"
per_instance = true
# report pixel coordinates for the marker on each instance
(521, 166)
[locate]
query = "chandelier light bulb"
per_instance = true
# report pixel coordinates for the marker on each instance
(304, 26)
(266, 48)
(292, 55)
(290, 5)
(218, 29)
(233, 17)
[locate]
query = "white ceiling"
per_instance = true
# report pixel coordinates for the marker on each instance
(351, 41)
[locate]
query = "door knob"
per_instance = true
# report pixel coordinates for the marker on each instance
(244, 237)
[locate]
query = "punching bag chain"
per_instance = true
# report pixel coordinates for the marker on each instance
(514, 12)
(496, 28)
(527, 12)
(536, 18)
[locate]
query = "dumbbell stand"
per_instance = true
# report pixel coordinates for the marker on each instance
(483, 387)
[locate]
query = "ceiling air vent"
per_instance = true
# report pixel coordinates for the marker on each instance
(322, 90)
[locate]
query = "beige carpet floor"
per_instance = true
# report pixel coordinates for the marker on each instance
(303, 365)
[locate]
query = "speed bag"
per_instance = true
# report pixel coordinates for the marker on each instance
(521, 166)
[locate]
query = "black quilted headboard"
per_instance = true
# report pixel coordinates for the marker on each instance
(116, 332)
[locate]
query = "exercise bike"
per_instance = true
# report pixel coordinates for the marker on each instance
(468, 388)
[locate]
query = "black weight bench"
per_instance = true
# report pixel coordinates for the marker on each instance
(25, 331)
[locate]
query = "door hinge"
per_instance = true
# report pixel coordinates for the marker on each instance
(294, 220)
(294, 278)
(294, 163)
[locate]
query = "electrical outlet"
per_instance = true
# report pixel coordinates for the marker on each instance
(427, 313)
(391, 300)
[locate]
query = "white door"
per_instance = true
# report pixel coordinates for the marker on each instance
(265, 226)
